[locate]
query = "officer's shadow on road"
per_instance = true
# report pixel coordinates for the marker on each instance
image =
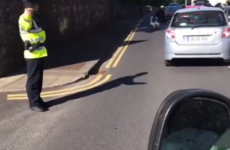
(127, 80)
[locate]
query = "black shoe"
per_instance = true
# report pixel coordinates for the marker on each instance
(42, 102)
(40, 108)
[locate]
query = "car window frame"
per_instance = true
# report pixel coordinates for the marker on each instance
(162, 115)
(176, 13)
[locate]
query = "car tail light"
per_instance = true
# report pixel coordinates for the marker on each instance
(226, 33)
(170, 34)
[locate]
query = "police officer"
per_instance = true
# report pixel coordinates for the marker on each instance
(34, 38)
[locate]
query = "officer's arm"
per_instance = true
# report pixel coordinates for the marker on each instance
(25, 22)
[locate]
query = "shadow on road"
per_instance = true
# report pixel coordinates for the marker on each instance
(107, 55)
(134, 42)
(199, 63)
(128, 80)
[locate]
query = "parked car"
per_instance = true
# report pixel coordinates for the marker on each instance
(197, 33)
(170, 10)
(202, 3)
(174, 4)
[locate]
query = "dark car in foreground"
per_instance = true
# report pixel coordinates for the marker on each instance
(170, 10)
(192, 119)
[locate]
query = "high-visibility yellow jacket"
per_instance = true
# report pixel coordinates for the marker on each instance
(31, 31)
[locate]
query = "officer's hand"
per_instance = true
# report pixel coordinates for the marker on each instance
(26, 45)
(34, 47)
(31, 49)
(29, 11)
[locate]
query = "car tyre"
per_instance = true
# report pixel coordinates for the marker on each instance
(226, 63)
(168, 63)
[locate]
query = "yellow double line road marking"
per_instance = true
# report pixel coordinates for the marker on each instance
(96, 82)
(121, 50)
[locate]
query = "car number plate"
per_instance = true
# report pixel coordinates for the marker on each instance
(196, 38)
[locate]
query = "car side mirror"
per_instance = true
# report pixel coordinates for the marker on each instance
(192, 119)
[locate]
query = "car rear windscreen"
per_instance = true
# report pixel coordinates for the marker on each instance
(199, 18)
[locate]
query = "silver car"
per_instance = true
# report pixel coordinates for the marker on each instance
(197, 33)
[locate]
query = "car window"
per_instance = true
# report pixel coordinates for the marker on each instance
(197, 124)
(199, 3)
(207, 4)
(192, 19)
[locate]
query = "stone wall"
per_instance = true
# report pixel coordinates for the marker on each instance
(63, 20)
(11, 51)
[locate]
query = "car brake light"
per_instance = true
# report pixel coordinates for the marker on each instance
(226, 33)
(170, 34)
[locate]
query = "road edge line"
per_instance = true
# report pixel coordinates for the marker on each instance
(111, 61)
(107, 78)
(98, 77)
(116, 62)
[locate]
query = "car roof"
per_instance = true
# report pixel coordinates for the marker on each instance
(173, 3)
(201, 1)
(199, 9)
(168, 7)
(174, 6)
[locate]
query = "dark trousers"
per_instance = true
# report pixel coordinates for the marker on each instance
(34, 80)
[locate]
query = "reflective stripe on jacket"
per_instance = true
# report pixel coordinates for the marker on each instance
(30, 31)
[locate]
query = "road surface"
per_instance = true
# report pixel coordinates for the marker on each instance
(117, 115)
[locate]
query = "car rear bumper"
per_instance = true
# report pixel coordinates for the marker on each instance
(224, 56)
(219, 51)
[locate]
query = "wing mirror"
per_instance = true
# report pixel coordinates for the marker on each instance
(192, 119)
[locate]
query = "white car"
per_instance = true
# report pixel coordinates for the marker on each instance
(197, 33)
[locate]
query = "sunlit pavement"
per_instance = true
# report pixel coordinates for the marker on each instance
(117, 115)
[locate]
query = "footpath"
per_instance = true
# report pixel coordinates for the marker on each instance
(77, 61)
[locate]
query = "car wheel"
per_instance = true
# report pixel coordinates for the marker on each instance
(151, 28)
(168, 63)
(226, 63)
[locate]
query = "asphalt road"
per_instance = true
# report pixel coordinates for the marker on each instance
(117, 115)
